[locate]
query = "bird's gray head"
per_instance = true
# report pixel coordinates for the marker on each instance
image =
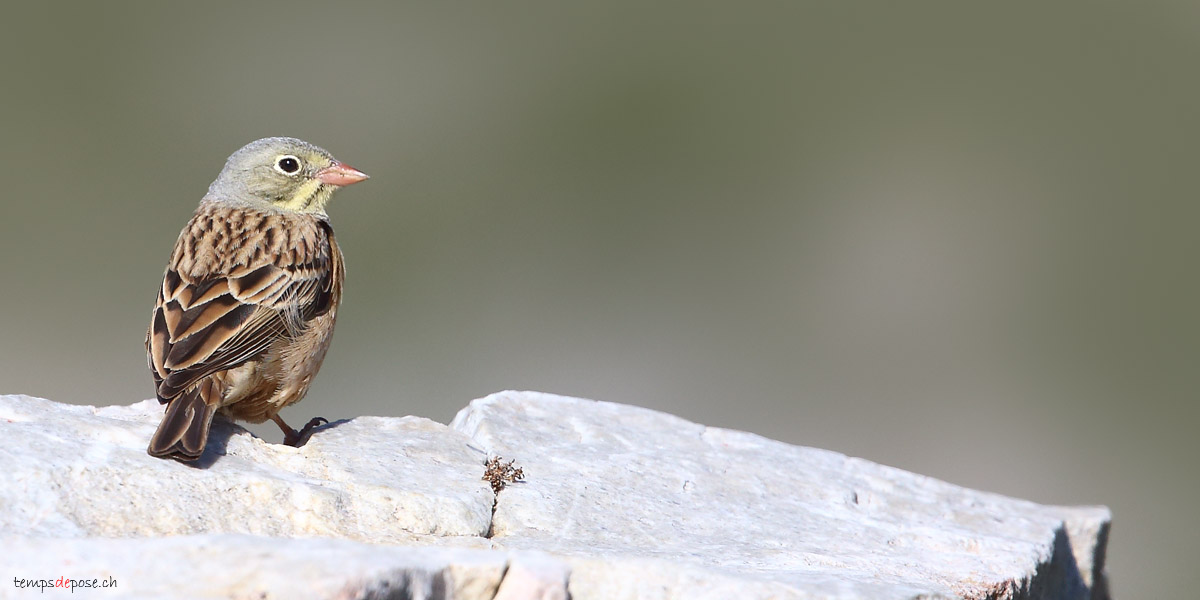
(283, 173)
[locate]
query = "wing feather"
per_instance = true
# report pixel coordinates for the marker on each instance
(158, 342)
(185, 323)
(200, 345)
(255, 281)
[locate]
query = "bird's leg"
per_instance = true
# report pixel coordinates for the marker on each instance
(291, 437)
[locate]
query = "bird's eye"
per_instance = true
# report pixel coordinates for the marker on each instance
(288, 165)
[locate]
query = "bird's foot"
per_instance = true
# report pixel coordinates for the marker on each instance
(294, 438)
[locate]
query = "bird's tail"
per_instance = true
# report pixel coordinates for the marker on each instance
(183, 431)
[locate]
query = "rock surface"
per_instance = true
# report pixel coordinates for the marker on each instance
(617, 502)
(82, 471)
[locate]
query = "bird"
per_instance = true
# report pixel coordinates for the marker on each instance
(248, 301)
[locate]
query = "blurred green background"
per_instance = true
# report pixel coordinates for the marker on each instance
(954, 238)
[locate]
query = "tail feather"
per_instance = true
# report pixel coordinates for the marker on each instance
(183, 432)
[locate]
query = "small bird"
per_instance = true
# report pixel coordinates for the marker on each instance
(248, 302)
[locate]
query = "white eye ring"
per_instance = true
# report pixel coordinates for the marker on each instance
(287, 164)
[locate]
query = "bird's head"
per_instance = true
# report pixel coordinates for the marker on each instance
(283, 173)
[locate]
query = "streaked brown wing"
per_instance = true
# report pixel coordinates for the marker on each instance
(216, 320)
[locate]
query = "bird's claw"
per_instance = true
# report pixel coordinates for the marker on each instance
(299, 438)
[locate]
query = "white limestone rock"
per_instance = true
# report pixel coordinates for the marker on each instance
(626, 490)
(617, 502)
(76, 471)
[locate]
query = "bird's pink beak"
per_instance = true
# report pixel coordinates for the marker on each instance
(341, 174)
